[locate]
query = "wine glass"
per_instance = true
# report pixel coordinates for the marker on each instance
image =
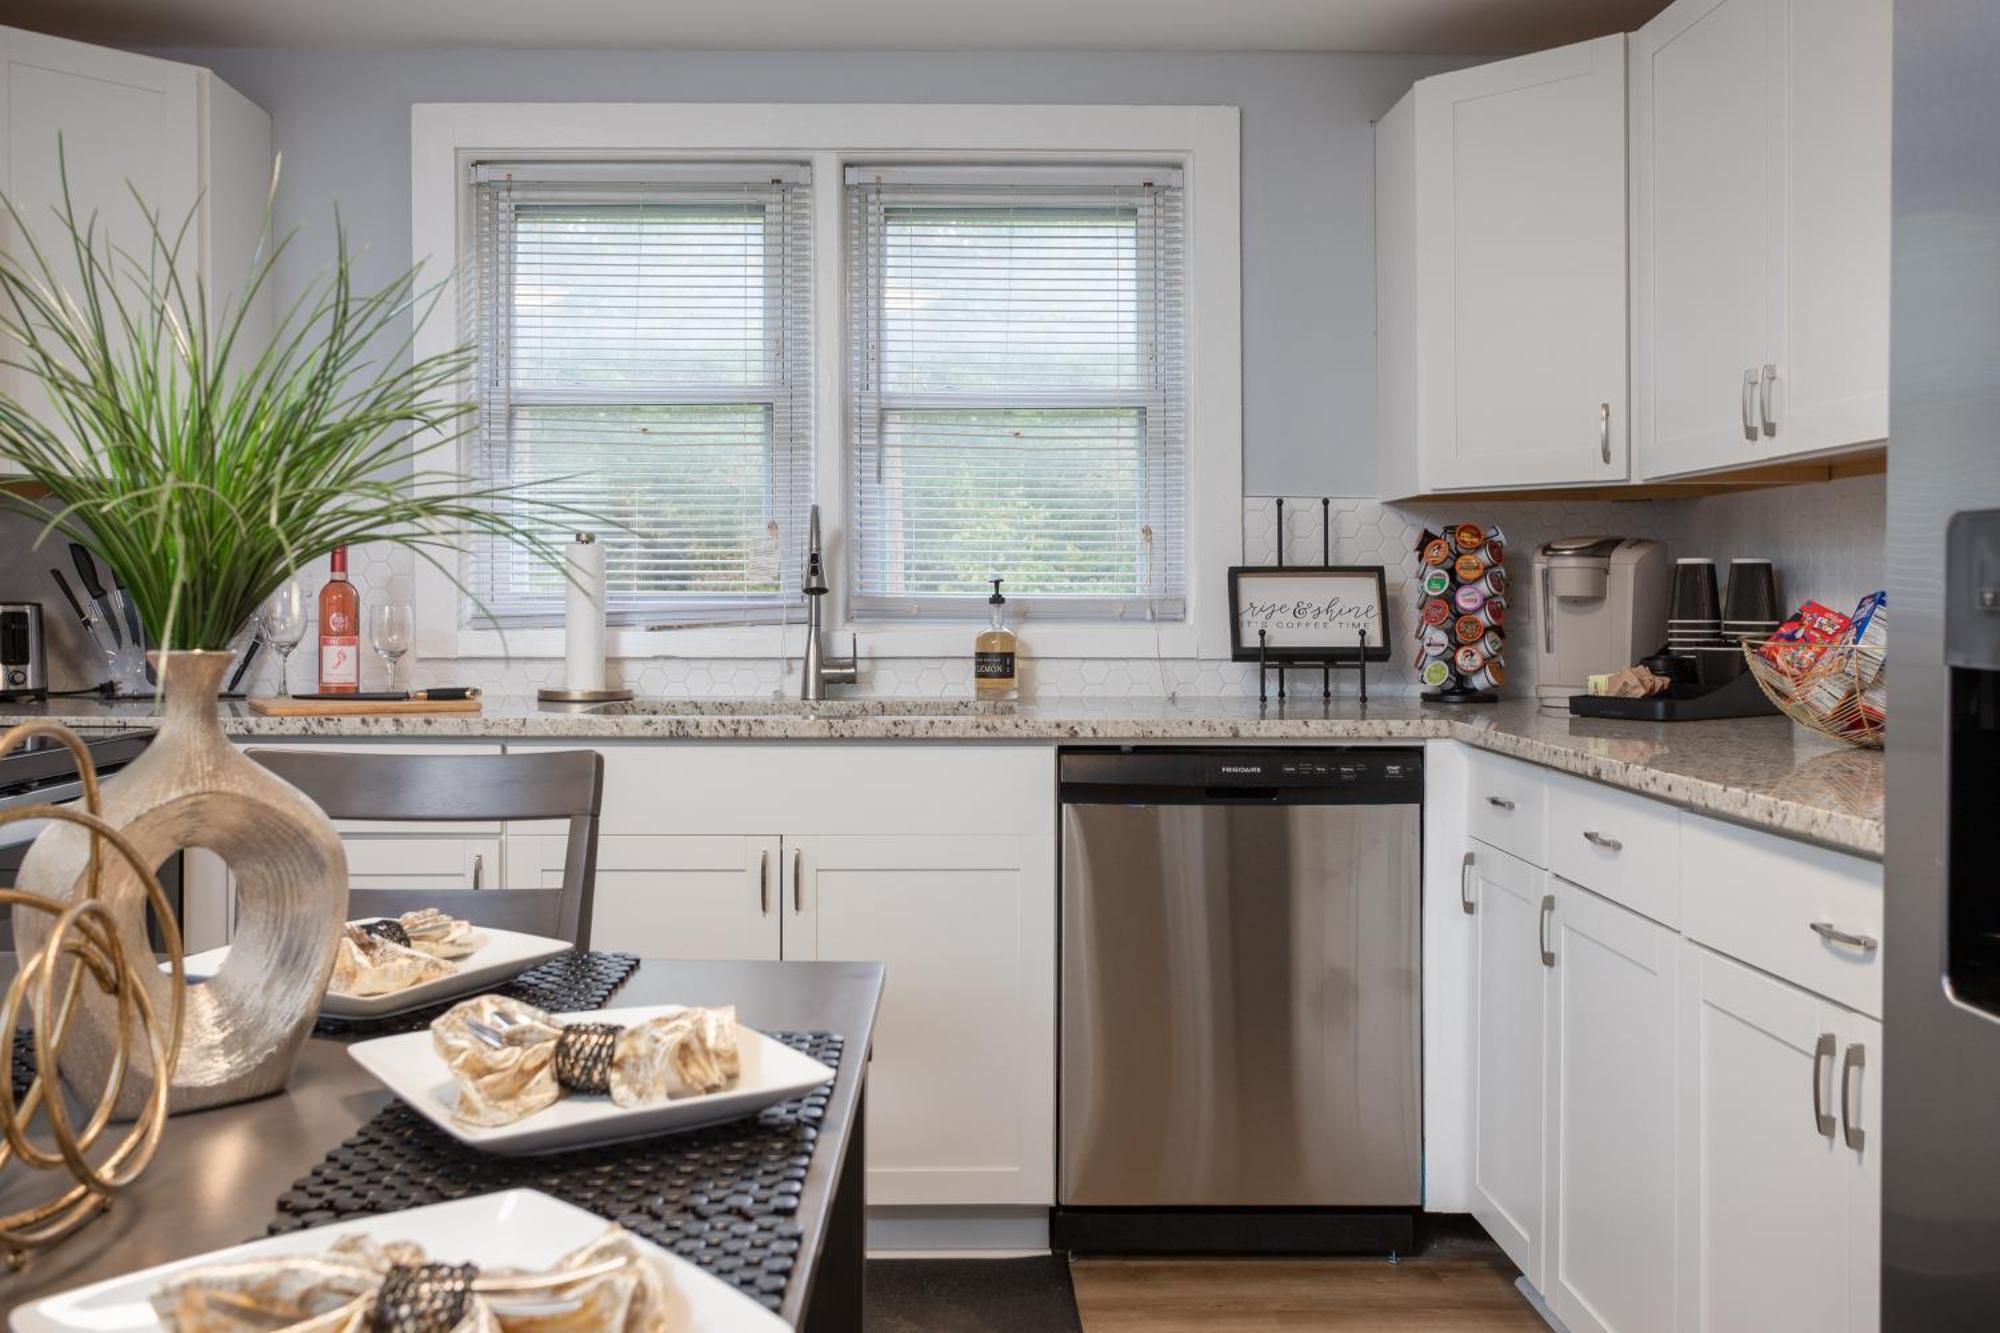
(282, 621)
(390, 626)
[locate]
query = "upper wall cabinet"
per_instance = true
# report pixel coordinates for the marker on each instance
(1501, 262)
(127, 127)
(1760, 231)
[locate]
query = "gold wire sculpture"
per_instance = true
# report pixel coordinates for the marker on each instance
(86, 935)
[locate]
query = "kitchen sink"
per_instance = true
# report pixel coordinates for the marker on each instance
(883, 707)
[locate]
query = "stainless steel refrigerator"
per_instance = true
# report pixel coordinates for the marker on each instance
(1941, 1063)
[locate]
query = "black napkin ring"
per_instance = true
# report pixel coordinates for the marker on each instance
(424, 1298)
(583, 1056)
(388, 929)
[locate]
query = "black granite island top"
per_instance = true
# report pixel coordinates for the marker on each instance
(220, 1174)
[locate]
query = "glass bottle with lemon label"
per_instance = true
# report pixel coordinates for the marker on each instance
(993, 653)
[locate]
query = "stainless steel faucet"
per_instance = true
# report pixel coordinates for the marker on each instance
(818, 670)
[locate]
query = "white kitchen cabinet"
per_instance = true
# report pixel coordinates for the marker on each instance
(1760, 231)
(422, 860)
(1609, 1266)
(962, 1094)
(684, 896)
(1501, 288)
(1510, 908)
(120, 123)
(1780, 1193)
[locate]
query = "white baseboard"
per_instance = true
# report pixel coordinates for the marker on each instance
(986, 1233)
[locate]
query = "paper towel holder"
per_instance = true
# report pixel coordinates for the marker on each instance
(566, 696)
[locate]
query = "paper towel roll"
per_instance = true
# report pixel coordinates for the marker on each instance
(583, 615)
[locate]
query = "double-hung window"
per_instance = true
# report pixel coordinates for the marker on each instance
(643, 339)
(1018, 391)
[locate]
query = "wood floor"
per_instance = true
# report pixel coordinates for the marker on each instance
(1460, 1282)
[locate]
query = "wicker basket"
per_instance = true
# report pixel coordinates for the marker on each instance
(1837, 689)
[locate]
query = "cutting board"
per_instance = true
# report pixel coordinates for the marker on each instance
(358, 707)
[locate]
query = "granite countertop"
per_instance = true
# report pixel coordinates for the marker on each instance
(1764, 772)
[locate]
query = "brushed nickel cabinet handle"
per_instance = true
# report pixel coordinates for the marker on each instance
(478, 870)
(1499, 803)
(1604, 431)
(1596, 839)
(1828, 932)
(1542, 929)
(798, 878)
(1822, 1055)
(1464, 887)
(1850, 1118)
(1749, 404)
(764, 882)
(1766, 381)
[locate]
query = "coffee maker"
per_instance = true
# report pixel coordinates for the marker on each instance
(1602, 605)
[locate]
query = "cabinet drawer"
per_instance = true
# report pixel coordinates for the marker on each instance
(1622, 846)
(1507, 802)
(1757, 898)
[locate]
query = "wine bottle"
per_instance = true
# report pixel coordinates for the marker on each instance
(339, 631)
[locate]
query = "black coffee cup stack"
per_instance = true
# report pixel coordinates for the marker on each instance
(1750, 607)
(1694, 622)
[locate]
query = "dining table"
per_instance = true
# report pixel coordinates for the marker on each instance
(218, 1175)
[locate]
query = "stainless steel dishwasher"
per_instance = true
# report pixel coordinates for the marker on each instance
(1240, 1063)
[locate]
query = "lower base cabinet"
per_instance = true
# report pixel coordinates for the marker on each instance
(673, 896)
(1509, 1081)
(962, 1091)
(1780, 1180)
(1610, 1254)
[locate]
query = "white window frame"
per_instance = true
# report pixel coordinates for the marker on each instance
(446, 137)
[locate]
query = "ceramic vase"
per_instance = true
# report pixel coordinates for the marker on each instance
(192, 788)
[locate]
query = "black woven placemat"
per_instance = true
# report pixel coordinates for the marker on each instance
(584, 979)
(723, 1197)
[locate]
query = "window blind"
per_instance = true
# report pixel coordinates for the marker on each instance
(643, 339)
(1018, 391)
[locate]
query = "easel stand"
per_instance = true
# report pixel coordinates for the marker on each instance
(1326, 666)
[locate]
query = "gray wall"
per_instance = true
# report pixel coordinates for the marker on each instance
(343, 126)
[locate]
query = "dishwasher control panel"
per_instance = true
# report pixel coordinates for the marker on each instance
(1332, 773)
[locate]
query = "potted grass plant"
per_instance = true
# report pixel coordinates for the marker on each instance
(205, 465)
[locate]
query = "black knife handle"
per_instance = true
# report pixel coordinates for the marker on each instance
(69, 594)
(86, 569)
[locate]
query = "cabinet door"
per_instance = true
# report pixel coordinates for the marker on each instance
(961, 1101)
(1610, 1264)
(1704, 243)
(668, 896)
(1508, 1084)
(1831, 150)
(421, 861)
(1765, 1182)
(1521, 269)
(122, 122)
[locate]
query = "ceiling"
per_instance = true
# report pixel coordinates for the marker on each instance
(1467, 26)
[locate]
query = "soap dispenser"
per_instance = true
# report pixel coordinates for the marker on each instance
(993, 653)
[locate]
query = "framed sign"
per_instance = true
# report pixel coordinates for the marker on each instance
(1308, 613)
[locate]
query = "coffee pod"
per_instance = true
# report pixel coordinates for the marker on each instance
(1436, 673)
(1469, 629)
(1436, 640)
(1468, 659)
(1495, 612)
(1489, 677)
(1424, 539)
(1469, 536)
(1496, 547)
(1468, 597)
(1437, 611)
(1468, 568)
(1437, 582)
(1494, 643)
(1495, 582)
(1437, 551)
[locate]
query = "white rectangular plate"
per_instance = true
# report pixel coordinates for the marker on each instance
(505, 955)
(409, 1066)
(521, 1228)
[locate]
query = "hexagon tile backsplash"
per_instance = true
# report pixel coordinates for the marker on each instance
(1827, 540)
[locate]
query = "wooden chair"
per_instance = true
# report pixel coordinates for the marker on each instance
(560, 784)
